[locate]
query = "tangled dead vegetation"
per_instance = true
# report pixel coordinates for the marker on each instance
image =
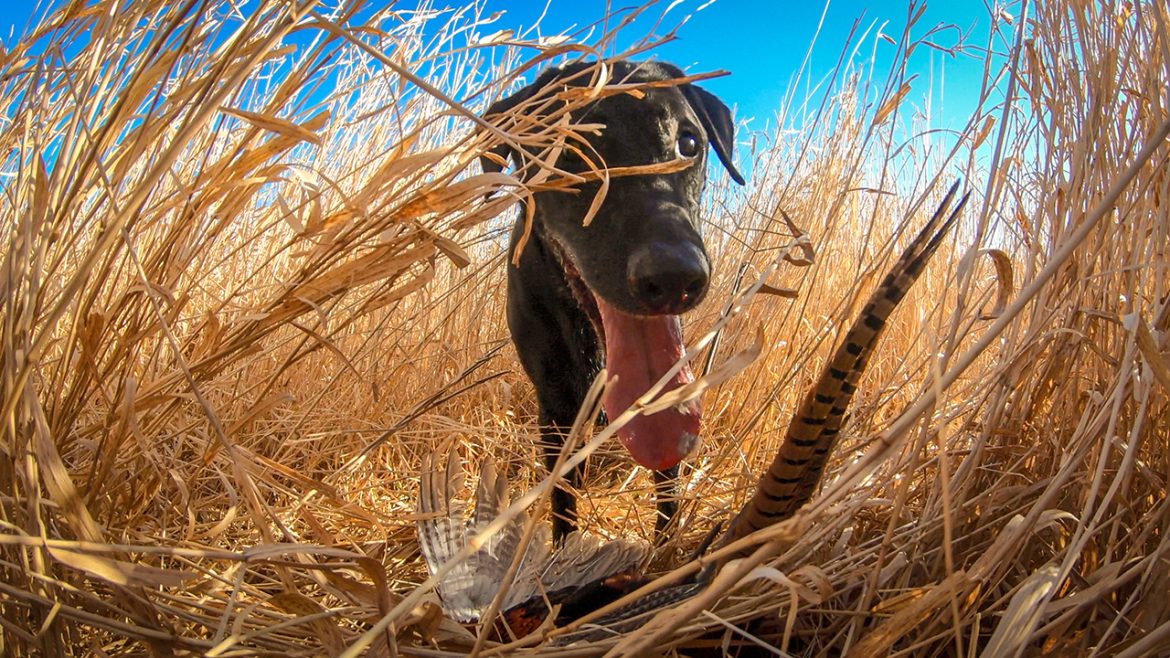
(251, 275)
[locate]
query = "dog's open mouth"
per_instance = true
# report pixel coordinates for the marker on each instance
(639, 350)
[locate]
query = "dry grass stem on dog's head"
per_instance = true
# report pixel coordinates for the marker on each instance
(252, 274)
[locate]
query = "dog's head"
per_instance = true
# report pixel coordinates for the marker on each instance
(640, 261)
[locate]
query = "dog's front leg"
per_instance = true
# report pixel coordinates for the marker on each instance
(564, 499)
(559, 394)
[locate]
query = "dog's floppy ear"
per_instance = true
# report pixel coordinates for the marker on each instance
(503, 151)
(491, 165)
(716, 120)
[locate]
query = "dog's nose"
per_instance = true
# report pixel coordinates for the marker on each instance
(668, 278)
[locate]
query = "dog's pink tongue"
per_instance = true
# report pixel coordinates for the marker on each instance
(639, 350)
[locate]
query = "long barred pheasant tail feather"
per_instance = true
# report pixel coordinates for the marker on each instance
(792, 479)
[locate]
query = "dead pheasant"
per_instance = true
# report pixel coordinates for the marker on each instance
(586, 574)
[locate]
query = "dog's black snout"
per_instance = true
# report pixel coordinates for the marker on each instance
(668, 278)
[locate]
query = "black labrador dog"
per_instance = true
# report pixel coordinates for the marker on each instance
(611, 292)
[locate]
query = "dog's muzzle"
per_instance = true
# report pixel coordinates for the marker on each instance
(668, 278)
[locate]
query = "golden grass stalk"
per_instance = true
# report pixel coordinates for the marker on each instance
(250, 277)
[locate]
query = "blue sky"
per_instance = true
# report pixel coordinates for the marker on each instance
(761, 42)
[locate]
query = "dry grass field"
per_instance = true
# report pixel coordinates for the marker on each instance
(250, 279)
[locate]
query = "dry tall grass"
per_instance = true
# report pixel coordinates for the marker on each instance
(249, 279)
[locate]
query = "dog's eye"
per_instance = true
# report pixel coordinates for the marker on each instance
(688, 144)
